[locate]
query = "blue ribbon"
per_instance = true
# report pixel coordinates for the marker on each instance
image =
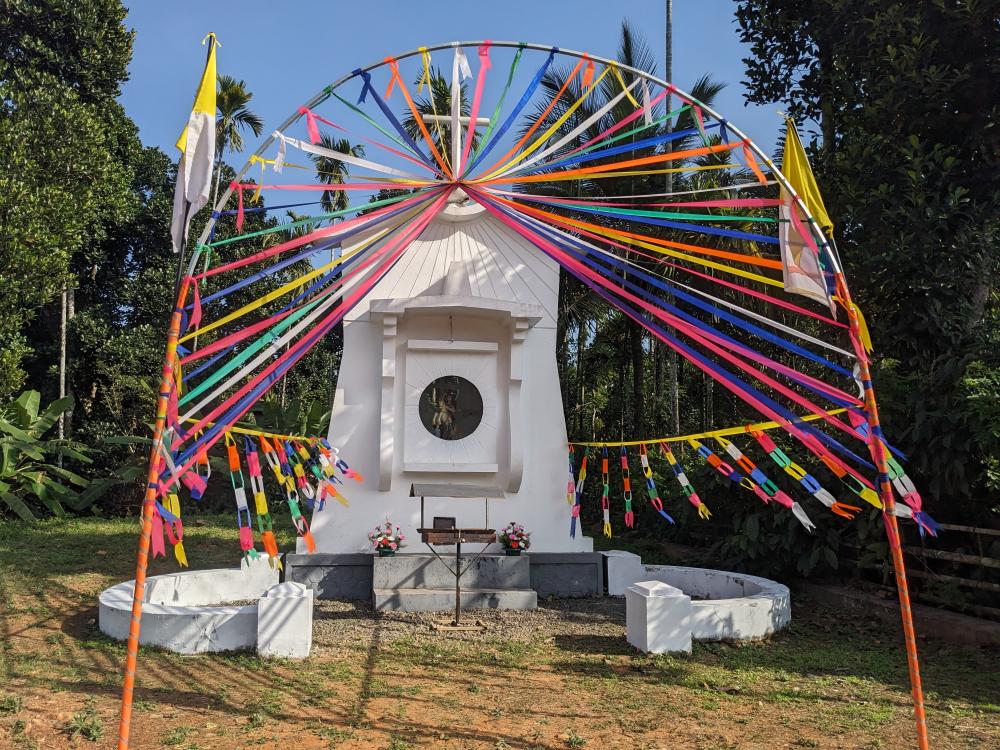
(529, 92)
(392, 118)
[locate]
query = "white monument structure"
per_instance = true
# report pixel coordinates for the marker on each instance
(449, 376)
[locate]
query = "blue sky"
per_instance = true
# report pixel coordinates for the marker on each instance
(287, 51)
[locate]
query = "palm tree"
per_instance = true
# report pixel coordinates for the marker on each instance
(233, 118)
(634, 52)
(331, 171)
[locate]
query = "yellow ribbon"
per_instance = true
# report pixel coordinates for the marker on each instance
(255, 433)
(540, 140)
(290, 286)
(426, 77)
(758, 427)
(621, 82)
(863, 334)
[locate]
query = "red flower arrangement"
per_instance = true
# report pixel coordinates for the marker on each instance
(513, 536)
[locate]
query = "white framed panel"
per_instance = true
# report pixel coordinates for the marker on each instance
(477, 362)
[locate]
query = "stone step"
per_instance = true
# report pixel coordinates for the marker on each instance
(416, 571)
(443, 600)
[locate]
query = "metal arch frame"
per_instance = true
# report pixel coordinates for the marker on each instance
(325, 93)
(875, 445)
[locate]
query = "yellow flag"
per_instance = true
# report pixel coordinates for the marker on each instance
(197, 147)
(795, 166)
(803, 272)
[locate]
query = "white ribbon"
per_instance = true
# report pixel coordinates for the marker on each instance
(279, 158)
(573, 133)
(347, 158)
(241, 497)
(460, 70)
(800, 514)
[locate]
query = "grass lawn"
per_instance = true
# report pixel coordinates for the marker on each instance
(559, 677)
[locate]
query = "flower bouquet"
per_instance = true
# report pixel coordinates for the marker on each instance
(386, 539)
(514, 538)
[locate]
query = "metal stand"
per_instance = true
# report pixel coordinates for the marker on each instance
(451, 535)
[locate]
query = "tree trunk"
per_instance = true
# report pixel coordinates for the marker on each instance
(218, 171)
(638, 384)
(581, 336)
(70, 315)
(62, 361)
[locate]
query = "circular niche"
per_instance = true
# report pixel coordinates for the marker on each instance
(451, 407)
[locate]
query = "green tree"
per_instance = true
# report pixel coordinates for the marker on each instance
(233, 119)
(61, 130)
(331, 171)
(903, 101)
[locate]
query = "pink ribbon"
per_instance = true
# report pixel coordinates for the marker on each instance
(484, 65)
(396, 247)
(240, 215)
(195, 319)
(156, 536)
(369, 218)
(246, 538)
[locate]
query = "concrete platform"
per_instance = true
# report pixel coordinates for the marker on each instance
(443, 600)
(350, 576)
(185, 612)
(420, 582)
(425, 571)
(725, 606)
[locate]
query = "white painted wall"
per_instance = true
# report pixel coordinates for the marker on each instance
(470, 285)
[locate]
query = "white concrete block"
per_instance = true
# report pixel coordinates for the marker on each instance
(657, 618)
(186, 612)
(624, 569)
(284, 621)
(731, 606)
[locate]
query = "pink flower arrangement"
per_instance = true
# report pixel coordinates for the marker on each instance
(386, 536)
(513, 536)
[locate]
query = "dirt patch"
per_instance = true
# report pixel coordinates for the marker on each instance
(561, 676)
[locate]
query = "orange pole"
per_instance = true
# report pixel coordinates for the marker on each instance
(132, 649)
(877, 450)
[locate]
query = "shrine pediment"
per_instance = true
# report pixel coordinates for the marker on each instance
(450, 304)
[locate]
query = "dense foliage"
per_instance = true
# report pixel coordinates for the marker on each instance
(903, 99)
(61, 64)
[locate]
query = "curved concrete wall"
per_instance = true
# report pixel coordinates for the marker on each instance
(728, 606)
(181, 611)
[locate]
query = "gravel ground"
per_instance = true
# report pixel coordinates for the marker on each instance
(599, 618)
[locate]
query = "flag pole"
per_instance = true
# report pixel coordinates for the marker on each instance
(190, 194)
(877, 449)
(148, 507)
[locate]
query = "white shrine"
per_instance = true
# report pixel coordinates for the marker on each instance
(449, 376)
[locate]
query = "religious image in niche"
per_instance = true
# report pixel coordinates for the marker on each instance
(451, 407)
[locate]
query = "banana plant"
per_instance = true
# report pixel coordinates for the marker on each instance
(298, 418)
(30, 474)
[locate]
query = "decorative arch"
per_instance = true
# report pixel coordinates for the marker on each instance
(737, 272)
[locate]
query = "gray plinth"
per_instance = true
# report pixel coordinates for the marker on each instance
(425, 571)
(340, 576)
(351, 576)
(567, 574)
(420, 582)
